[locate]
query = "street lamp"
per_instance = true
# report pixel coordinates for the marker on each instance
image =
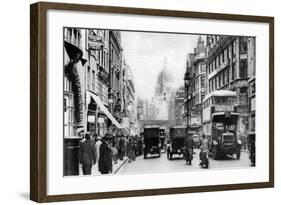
(187, 80)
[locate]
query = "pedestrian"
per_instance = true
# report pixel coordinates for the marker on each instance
(114, 148)
(121, 147)
(105, 157)
(130, 149)
(87, 155)
(188, 143)
(204, 147)
(97, 146)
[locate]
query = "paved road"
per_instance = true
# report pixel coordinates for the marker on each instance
(162, 164)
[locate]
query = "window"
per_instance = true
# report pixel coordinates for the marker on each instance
(243, 90)
(221, 58)
(243, 69)
(234, 48)
(233, 71)
(203, 81)
(217, 62)
(243, 44)
(226, 75)
(93, 80)
(220, 78)
(203, 68)
(88, 78)
(229, 51)
(68, 115)
(225, 55)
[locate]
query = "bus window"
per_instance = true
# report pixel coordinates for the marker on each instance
(219, 125)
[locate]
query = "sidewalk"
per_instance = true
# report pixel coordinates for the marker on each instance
(115, 167)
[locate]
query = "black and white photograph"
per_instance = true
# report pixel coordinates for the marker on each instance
(140, 102)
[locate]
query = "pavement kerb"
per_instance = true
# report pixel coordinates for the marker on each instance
(121, 165)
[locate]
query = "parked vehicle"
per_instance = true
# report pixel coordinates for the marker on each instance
(177, 137)
(220, 123)
(151, 141)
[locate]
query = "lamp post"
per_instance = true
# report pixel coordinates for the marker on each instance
(187, 80)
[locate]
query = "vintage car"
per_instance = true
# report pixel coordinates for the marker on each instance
(176, 144)
(151, 141)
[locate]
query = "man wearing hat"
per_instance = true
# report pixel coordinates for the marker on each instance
(105, 155)
(87, 155)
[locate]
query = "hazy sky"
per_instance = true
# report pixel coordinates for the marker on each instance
(145, 53)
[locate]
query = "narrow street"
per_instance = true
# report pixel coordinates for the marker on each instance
(162, 164)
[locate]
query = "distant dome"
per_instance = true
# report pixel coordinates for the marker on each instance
(164, 81)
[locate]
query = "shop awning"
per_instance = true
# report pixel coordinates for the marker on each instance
(105, 110)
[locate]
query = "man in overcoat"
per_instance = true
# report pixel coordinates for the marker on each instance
(87, 155)
(105, 158)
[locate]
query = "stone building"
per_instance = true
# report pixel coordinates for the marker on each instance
(129, 99)
(74, 85)
(230, 62)
(116, 74)
(196, 67)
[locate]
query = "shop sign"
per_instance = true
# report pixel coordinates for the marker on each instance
(95, 45)
(91, 118)
(100, 120)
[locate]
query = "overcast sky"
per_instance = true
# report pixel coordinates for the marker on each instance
(145, 53)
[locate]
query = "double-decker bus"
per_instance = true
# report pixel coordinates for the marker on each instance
(220, 123)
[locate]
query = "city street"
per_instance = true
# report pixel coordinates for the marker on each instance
(162, 164)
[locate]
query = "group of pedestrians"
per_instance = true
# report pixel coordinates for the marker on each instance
(104, 151)
(96, 150)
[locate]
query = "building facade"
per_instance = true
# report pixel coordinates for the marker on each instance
(74, 85)
(230, 63)
(116, 74)
(129, 100)
(196, 67)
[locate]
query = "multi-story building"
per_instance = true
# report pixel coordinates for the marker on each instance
(129, 98)
(180, 106)
(228, 63)
(116, 74)
(172, 109)
(196, 67)
(97, 78)
(74, 84)
(252, 83)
